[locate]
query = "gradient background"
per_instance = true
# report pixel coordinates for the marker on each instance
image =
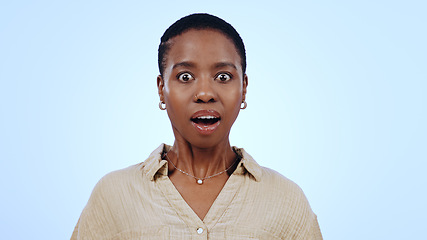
(336, 102)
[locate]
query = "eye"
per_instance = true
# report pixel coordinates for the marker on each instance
(223, 77)
(185, 77)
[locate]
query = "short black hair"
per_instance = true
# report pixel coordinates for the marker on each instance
(200, 21)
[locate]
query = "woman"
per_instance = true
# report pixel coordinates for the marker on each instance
(200, 187)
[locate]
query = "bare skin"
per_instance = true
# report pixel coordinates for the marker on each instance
(203, 73)
(199, 197)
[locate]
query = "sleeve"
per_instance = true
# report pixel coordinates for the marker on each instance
(315, 233)
(76, 230)
(97, 219)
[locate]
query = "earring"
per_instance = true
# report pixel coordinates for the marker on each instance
(161, 105)
(244, 105)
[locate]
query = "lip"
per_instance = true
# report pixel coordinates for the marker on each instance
(209, 112)
(206, 129)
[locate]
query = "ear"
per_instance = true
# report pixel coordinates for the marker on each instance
(161, 87)
(245, 85)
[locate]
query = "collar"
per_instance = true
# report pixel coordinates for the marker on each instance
(154, 165)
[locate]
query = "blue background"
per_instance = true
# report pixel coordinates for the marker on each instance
(336, 102)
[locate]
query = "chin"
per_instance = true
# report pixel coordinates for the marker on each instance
(208, 141)
(204, 143)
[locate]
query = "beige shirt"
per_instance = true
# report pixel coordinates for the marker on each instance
(140, 202)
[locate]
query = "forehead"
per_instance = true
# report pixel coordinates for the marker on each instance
(205, 46)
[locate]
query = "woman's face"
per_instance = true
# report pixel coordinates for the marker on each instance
(203, 86)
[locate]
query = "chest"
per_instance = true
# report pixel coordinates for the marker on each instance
(240, 209)
(232, 211)
(199, 197)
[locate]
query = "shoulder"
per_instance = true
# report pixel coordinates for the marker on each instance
(124, 184)
(117, 179)
(281, 183)
(110, 196)
(285, 202)
(114, 189)
(268, 181)
(280, 190)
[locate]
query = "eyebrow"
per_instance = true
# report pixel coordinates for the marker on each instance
(217, 65)
(225, 64)
(183, 64)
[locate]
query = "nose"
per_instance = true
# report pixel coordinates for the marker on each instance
(205, 92)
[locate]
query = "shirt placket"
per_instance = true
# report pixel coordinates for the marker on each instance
(200, 232)
(200, 229)
(197, 228)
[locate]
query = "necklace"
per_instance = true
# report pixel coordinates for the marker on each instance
(200, 180)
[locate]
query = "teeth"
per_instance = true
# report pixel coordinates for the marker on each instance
(206, 117)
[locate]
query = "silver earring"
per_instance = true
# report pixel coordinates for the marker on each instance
(162, 105)
(244, 105)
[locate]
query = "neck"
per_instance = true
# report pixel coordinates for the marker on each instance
(201, 162)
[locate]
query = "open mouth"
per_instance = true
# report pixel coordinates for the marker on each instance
(205, 120)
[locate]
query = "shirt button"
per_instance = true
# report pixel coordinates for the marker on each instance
(199, 230)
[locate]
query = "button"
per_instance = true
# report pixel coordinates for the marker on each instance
(200, 230)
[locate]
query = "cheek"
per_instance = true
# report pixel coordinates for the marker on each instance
(176, 103)
(236, 95)
(173, 96)
(234, 100)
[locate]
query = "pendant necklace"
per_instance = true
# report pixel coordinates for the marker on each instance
(200, 180)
